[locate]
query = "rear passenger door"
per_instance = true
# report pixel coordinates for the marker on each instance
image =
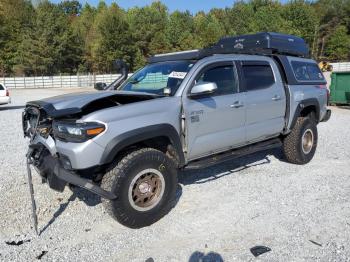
(265, 100)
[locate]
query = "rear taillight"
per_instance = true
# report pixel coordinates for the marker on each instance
(7, 93)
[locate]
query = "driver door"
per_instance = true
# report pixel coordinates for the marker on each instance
(215, 122)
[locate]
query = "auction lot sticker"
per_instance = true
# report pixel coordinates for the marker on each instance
(180, 75)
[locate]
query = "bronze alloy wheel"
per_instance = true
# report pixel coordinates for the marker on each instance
(307, 141)
(146, 189)
(145, 183)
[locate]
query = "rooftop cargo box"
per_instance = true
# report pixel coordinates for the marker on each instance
(260, 44)
(263, 43)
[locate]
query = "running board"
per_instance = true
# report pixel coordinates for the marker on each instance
(234, 153)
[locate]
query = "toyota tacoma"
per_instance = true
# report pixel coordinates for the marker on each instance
(183, 110)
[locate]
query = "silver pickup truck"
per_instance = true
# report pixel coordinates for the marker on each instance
(183, 110)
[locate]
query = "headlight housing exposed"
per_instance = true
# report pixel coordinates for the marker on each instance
(76, 132)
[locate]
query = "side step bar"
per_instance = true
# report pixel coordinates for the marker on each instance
(234, 153)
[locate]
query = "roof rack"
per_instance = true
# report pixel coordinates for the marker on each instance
(266, 43)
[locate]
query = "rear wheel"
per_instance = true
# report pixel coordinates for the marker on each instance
(145, 183)
(299, 146)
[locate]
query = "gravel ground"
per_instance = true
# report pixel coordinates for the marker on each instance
(302, 213)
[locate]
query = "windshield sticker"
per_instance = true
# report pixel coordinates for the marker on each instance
(180, 75)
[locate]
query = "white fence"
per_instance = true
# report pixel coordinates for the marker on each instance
(57, 81)
(341, 67)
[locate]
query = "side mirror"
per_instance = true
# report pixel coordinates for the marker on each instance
(203, 89)
(100, 86)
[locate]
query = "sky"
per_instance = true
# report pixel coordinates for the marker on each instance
(192, 5)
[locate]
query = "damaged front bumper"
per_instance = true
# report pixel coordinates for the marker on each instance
(53, 171)
(54, 167)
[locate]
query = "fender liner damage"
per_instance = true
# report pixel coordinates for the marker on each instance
(124, 140)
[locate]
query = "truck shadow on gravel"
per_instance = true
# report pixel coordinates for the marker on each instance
(87, 197)
(200, 176)
(187, 177)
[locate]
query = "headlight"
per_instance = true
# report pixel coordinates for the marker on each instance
(76, 132)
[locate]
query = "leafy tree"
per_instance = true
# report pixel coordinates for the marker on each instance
(338, 45)
(84, 31)
(145, 24)
(180, 29)
(241, 19)
(268, 17)
(15, 19)
(332, 13)
(65, 37)
(303, 21)
(112, 38)
(208, 30)
(51, 47)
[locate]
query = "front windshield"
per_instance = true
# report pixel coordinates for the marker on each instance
(159, 78)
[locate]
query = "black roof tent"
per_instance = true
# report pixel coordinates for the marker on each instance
(267, 43)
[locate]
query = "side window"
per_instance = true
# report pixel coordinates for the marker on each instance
(1, 87)
(223, 76)
(257, 76)
(304, 71)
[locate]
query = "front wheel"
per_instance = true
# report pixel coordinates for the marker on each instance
(299, 146)
(145, 183)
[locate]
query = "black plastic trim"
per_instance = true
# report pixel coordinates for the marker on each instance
(52, 169)
(255, 63)
(327, 116)
(304, 104)
(141, 134)
(241, 81)
(286, 89)
(72, 178)
(233, 154)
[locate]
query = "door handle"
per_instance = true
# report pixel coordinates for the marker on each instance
(237, 104)
(276, 98)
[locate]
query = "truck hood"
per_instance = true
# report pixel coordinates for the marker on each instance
(87, 102)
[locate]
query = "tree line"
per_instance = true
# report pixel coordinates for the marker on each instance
(44, 38)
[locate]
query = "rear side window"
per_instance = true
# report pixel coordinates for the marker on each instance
(304, 71)
(1, 87)
(257, 77)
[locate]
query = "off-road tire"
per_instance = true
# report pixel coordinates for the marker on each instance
(292, 143)
(118, 181)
